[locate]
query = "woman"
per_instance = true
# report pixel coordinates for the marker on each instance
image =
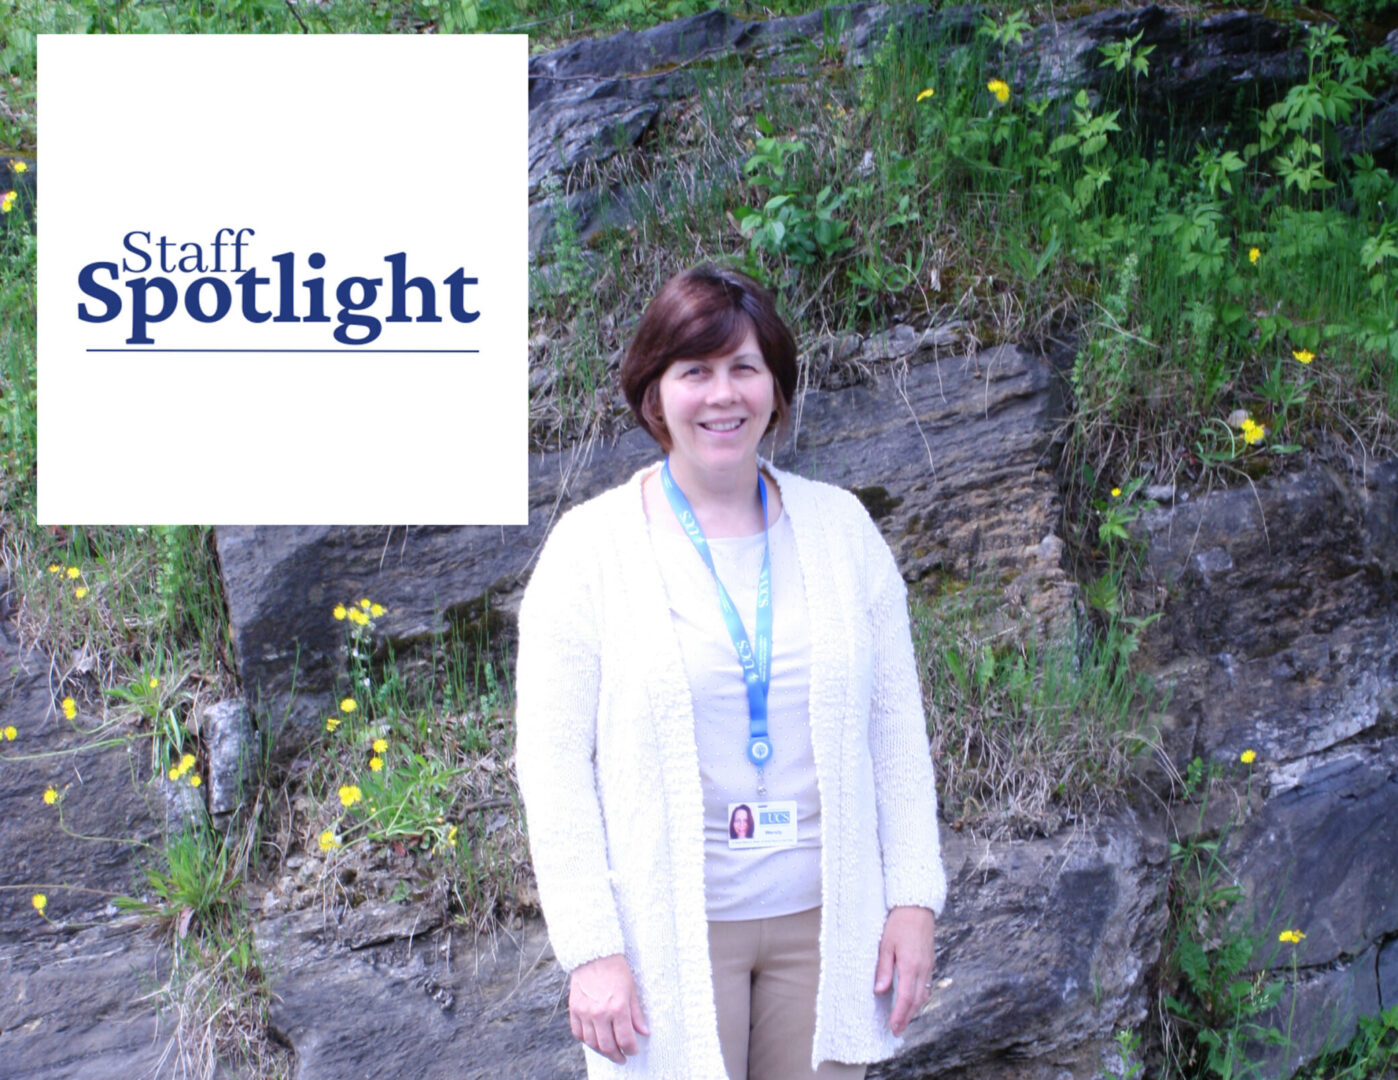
(740, 822)
(717, 632)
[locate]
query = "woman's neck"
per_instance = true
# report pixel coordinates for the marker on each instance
(725, 503)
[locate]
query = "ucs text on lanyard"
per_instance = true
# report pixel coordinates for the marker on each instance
(756, 661)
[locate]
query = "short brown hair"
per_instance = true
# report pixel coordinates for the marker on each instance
(697, 314)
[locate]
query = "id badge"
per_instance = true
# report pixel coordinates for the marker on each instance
(770, 824)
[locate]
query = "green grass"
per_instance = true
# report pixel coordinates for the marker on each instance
(1373, 1052)
(1026, 727)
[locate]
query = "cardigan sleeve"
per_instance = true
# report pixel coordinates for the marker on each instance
(557, 685)
(905, 789)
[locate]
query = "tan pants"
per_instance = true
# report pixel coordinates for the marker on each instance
(765, 975)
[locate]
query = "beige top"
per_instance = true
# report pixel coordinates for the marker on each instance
(763, 882)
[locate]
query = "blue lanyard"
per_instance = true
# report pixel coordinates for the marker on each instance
(757, 666)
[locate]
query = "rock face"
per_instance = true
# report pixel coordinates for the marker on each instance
(1043, 947)
(1279, 636)
(73, 987)
(589, 99)
(913, 446)
(232, 743)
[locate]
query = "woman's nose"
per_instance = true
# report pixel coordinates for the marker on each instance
(722, 389)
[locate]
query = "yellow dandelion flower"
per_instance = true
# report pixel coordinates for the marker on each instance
(1247, 757)
(348, 705)
(1000, 89)
(11, 732)
(50, 796)
(1254, 254)
(380, 745)
(358, 618)
(54, 568)
(74, 572)
(331, 723)
(329, 841)
(376, 764)
(80, 591)
(376, 610)
(339, 614)
(7, 203)
(40, 901)
(154, 682)
(1293, 937)
(19, 166)
(1303, 356)
(366, 603)
(187, 762)
(194, 780)
(1253, 432)
(929, 92)
(350, 794)
(1116, 493)
(174, 773)
(70, 708)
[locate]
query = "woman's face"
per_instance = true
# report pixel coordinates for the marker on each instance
(716, 410)
(742, 823)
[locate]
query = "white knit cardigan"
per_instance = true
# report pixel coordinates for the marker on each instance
(609, 772)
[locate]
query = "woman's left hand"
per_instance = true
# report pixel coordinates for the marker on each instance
(908, 944)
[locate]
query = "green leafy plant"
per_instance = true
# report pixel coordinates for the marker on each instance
(1119, 55)
(790, 224)
(1217, 1005)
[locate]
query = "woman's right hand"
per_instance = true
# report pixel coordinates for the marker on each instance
(604, 1009)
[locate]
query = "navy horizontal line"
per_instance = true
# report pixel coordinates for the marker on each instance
(142, 350)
